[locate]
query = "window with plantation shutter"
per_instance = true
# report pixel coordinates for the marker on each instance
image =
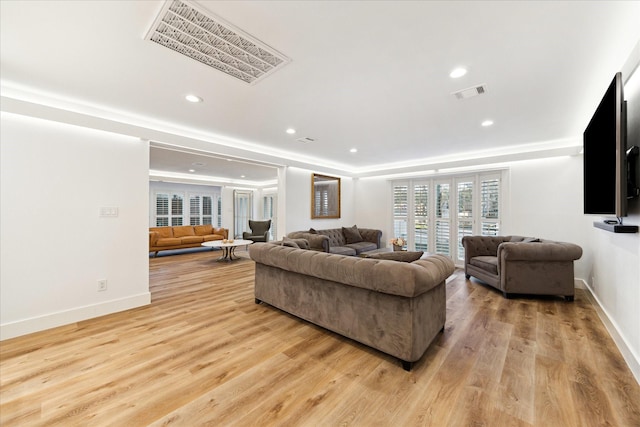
(400, 210)
(490, 206)
(444, 210)
(219, 210)
(162, 210)
(194, 210)
(464, 213)
(443, 220)
(421, 216)
(207, 210)
(176, 210)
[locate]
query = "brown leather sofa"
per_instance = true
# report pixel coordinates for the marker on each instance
(183, 236)
(522, 265)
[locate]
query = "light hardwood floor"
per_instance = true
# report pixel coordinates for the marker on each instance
(203, 353)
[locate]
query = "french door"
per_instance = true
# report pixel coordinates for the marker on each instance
(433, 215)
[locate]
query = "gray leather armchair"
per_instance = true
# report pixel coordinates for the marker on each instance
(522, 265)
(259, 231)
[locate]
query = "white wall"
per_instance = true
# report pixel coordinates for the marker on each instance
(55, 178)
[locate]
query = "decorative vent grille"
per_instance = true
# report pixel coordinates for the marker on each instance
(186, 29)
(470, 92)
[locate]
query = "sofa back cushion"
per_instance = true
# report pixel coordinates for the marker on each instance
(336, 238)
(352, 235)
(183, 230)
(402, 256)
(203, 230)
(164, 232)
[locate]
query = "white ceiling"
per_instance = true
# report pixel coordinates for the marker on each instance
(371, 75)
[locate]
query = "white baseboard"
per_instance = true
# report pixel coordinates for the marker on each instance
(633, 361)
(61, 318)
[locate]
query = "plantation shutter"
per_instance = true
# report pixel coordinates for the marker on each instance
(464, 213)
(194, 210)
(443, 218)
(207, 210)
(490, 206)
(162, 210)
(400, 210)
(176, 209)
(421, 216)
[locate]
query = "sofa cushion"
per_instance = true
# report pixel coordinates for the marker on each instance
(169, 241)
(183, 230)
(203, 230)
(163, 231)
(487, 263)
(186, 240)
(289, 242)
(402, 256)
(342, 250)
(362, 247)
(211, 237)
(531, 240)
(352, 235)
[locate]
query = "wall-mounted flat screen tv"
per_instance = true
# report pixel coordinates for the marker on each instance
(605, 180)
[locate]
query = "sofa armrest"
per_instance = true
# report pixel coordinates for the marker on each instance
(221, 232)
(371, 235)
(153, 238)
(481, 245)
(317, 242)
(538, 251)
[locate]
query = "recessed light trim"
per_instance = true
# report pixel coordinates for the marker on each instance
(291, 131)
(487, 123)
(458, 72)
(193, 98)
(353, 150)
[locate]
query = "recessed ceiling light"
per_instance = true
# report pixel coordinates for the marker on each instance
(354, 150)
(192, 170)
(487, 123)
(193, 98)
(242, 176)
(291, 131)
(458, 72)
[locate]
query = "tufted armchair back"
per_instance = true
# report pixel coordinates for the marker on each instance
(259, 231)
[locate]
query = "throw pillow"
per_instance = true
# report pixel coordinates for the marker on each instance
(402, 256)
(313, 231)
(531, 240)
(289, 242)
(352, 235)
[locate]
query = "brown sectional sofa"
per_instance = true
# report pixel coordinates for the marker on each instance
(183, 236)
(522, 265)
(341, 241)
(395, 307)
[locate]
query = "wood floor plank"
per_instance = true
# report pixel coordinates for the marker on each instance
(203, 353)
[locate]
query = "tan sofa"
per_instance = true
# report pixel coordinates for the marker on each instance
(396, 307)
(522, 265)
(183, 236)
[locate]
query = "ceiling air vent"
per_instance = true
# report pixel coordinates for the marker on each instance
(470, 92)
(305, 139)
(200, 35)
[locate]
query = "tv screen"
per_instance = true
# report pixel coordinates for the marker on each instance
(604, 149)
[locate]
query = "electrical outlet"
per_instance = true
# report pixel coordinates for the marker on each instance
(102, 285)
